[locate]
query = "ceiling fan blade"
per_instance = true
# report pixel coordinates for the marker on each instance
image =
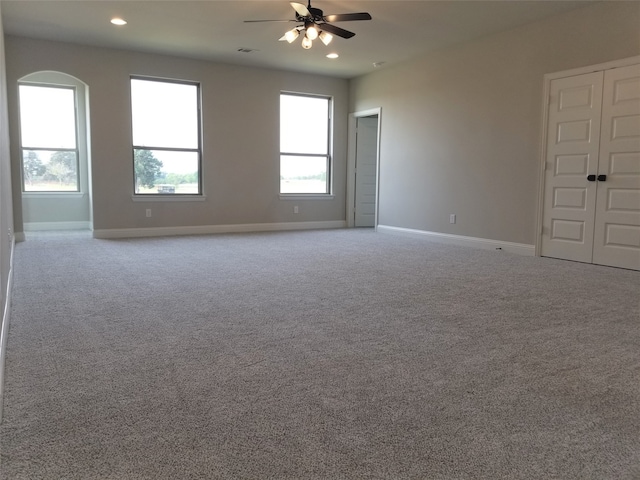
(340, 32)
(261, 21)
(300, 9)
(347, 17)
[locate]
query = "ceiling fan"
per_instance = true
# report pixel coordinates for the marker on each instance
(315, 24)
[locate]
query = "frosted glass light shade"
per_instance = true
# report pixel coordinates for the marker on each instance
(326, 38)
(291, 35)
(312, 32)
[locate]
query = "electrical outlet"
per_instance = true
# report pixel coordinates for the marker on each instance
(148, 212)
(452, 218)
(296, 210)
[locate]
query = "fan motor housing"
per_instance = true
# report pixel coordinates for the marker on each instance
(315, 13)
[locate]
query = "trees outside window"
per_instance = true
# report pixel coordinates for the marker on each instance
(32, 168)
(148, 169)
(166, 136)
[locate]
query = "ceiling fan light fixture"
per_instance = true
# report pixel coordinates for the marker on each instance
(326, 38)
(312, 31)
(291, 35)
(312, 22)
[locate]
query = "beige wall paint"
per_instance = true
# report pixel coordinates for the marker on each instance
(6, 216)
(461, 128)
(240, 136)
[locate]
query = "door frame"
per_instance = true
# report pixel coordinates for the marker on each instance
(351, 163)
(624, 62)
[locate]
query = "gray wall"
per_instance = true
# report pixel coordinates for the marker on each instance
(461, 128)
(6, 218)
(6, 214)
(240, 139)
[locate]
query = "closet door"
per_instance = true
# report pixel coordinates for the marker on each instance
(573, 135)
(617, 215)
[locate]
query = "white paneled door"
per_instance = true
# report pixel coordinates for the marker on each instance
(573, 143)
(617, 226)
(592, 174)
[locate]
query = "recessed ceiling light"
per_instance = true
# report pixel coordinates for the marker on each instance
(333, 55)
(118, 21)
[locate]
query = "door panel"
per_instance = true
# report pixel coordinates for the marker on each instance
(366, 171)
(617, 214)
(573, 135)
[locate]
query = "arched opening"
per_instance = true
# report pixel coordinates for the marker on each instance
(55, 159)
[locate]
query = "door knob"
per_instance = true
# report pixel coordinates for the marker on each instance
(591, 178)
(602, 178)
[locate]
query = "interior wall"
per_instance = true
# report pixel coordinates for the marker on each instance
(461, 128)
(240, 136)
(6, 219)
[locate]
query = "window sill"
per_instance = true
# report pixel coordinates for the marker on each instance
(168, 198)
(51, 195)
(306, 196)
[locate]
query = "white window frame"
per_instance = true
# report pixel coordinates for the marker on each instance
(164, 196)
(77, 150)
(328, 194)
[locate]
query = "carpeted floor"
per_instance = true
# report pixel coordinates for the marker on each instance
(341, 354)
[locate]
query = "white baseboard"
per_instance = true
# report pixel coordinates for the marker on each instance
(211, 229)
(4, 328)
(460, 240)
(44, 226)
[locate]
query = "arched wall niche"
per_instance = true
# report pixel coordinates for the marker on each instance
(63, 210)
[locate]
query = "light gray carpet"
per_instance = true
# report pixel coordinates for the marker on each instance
(339, 354)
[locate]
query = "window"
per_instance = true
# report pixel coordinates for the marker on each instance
(48, 138)
(166, 137)
(305, 124)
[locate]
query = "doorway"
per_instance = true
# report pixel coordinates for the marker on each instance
(362, 169)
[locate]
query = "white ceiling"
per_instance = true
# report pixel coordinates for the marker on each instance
(215, 29)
